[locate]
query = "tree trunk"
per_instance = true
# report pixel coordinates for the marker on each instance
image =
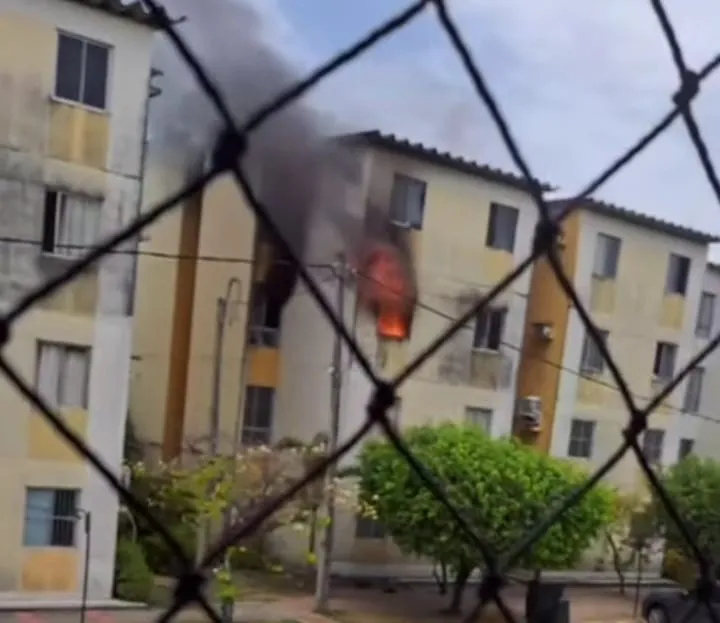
(461, 578)
(440, 578)
(617, 563)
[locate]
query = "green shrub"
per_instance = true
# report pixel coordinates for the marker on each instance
(159, 556)
(679, 568)
(134, 581)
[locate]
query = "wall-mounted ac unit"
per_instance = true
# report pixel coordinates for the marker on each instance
(529, 409)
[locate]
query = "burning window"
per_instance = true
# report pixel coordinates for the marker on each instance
(386, 291)
(264, 318)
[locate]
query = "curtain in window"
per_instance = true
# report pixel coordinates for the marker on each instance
(606, 256)
(505, 226)
(77, 226)
(38, 517)
(50, 358)
(75, 378)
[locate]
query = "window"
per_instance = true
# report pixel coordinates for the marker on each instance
(63, 374)
(264, 319)
(581, 438)
(706, 312)
(479, 416)
(81, 71)
(607, 256)
(686, 448)
(368, 528)
(257, 420)
(501, 227)
(693, 390)
(489, 326)
(664, 364)
(592, 360)
(652, 445)
(407, 204)
(677, 274)
(70, 224)
(50, 517)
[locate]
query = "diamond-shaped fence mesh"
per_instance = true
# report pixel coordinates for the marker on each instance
(228, 160)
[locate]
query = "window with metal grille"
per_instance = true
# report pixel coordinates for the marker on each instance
(63, 374)
(50, 517)
(70, 224)
(82, 71)
(678, 274)
(591, 359)
(258, 415)
(479, 416)
(580, 443)
(407, 203)
(686, 448)
(652, 445)
(607, 256)
(489, 328)
(264, 319)
(693, 390)
(368, 528)
(706, 314)
(664, 363)
(502, 227)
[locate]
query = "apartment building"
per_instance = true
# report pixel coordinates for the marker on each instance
(74, 79)
(467, 225)
(707, 441)
(644, 283)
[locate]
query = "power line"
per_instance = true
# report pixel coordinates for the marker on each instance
(426, 307)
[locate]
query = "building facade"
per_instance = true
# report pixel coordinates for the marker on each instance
(642, 281)
(74, 78)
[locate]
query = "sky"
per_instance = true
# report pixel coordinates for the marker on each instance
(578, 82)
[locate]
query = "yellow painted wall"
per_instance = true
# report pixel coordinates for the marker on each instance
(44, 443)
(177, 331)
(51, 569)
(541, 361)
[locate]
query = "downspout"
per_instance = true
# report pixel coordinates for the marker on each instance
(152, 91)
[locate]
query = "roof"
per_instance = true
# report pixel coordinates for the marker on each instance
(644, 220)
(134, 11)
(393, 143)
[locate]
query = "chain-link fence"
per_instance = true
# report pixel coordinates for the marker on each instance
(227, 160)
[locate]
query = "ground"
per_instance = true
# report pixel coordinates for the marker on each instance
(283, 602)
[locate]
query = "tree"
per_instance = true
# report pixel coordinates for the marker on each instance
(693, 485)
(201, 490)
(502, 487)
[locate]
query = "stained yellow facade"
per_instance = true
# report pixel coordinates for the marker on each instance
(542, 360)
(44, 444)
(50, 570)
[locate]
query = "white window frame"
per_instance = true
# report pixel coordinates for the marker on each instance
(683, 450)
(499, 219)
(404, 188)
(41, 510)
(482, 329)
(592, 361)
(674, 262)
(252, 432)
(606, 261)
(653, 440)
(706, 314)
(581, 439)
(693, 390)
(85, 41)
(665, 352)
(55, 390)
(479, 416)
(67, 207)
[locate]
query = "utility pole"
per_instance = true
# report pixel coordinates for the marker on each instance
(322, 583)
(222, 320)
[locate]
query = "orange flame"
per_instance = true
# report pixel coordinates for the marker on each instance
(386, 291)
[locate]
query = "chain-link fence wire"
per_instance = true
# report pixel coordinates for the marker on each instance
(228, 160)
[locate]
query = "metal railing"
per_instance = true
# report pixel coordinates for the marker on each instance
(189, 588)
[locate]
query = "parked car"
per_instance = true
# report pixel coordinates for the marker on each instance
(679, 606)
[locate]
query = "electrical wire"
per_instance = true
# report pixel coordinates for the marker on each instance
(419, 304)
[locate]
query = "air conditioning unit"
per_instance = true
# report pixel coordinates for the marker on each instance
(529, 410)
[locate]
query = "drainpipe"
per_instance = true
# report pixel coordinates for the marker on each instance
(152, 91)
